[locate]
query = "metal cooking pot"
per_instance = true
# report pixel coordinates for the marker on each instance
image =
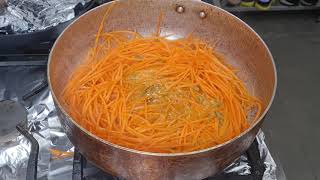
(239, 44)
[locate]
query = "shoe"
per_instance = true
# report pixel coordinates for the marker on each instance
(247, 3)
(263, 4)
(309, 2)
(290, 2)
(234, 2)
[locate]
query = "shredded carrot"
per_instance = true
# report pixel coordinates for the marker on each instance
(58, 154)
(158, 95)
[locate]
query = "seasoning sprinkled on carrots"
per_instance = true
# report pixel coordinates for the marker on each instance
(158, 95)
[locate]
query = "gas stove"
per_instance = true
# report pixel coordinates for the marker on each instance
(37, 147)
(33, 144)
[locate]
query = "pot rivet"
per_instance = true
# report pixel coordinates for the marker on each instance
(180, 9)
(202, 14)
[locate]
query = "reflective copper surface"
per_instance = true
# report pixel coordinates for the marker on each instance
(231, 37)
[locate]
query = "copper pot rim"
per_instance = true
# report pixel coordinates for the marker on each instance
(166, 154)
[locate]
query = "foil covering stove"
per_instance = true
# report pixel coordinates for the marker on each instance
(23, 16)
(43, 123)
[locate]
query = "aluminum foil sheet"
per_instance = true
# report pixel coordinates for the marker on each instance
(44, 125)
(14, 83)
(269, 163)
(21, 16)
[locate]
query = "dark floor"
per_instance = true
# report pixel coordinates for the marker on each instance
(293, 124)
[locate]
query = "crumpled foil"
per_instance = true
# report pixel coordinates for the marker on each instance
(269, 163)
(44, 125)
(14, 83)
(21, 16)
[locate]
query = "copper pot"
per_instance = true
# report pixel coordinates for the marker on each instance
(240, 45)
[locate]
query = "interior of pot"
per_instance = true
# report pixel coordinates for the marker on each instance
(236, 42)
